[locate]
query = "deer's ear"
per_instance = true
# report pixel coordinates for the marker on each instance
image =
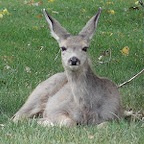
(57, 31)
(88, 30)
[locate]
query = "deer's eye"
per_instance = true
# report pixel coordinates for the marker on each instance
(84, 49)
(63, 48)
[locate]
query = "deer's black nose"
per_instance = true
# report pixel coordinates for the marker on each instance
(74, 61)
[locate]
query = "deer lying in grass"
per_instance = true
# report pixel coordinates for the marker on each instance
(76, 96)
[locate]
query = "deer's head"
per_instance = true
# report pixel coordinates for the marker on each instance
(73, 48)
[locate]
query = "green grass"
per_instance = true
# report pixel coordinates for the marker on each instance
(25, 42)
(30, 133)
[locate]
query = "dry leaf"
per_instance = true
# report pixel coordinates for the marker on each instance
(90, 136)
(137, 2)
(51, 0)
(141, 3)
(33, 3)
(83, 10)
(128, 113)
(4, 12)
(37, 3)
(35, 28)
(2, 125)
(7, 67)
(102, 125)
(109, 3)
(134, 116)
(39, 16)
(27, 69)
(55, 12)
(1, 15)
(111, 12)
(125, 51)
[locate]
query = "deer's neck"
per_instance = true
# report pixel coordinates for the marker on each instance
(81, 83)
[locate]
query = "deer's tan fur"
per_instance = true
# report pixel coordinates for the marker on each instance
(76, 96)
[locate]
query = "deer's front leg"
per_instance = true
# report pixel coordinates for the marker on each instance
(36, 102)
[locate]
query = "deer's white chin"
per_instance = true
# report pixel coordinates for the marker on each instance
(73, 68)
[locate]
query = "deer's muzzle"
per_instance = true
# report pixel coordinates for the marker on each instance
(74, 61)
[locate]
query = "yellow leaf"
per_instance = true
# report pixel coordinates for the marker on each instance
(39, 16)
(109, 3)
(137, 2)
(111, 11)
(35, 28)
(125, 51)
(1, 15)
(5, 12)
(51, 0)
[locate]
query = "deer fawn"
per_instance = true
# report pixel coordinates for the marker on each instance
(76, 96)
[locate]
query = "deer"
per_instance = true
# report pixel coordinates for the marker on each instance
(76, 96)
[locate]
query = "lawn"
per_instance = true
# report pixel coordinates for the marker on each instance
(29, 55)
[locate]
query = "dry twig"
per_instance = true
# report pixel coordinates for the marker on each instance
(126, 82)
(141, 2)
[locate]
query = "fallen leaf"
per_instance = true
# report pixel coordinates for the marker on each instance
(28, 2)
(1, 15)
(7, 67)
(128, 113)
(5, 12)
(111, 12)
(107, 33)
(9, 135)
(41, 47)
(39, 16)
(91, 136)
(109, 3)
(111, 34)
(2, 125)
(141, 3)
(134, 116)
(33, 3)
(27, 69)
(37, 3)
(137, 2)
(83, 10)
(102, 125)
(35, 28)
(55, 12)
(125, 51)
(51, 0)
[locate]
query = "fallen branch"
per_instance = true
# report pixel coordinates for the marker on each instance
(141, 2)
(105, 53)
(126, 82)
